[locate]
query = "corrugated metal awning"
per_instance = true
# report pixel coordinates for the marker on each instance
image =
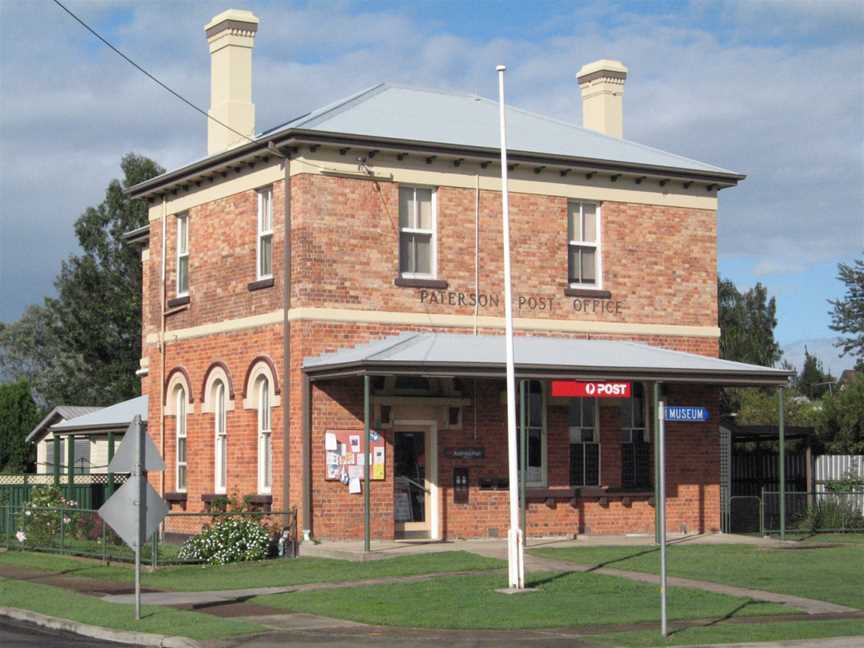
(448, 354)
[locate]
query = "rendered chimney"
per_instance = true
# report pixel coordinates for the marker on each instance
(602, 84)
(231, 36)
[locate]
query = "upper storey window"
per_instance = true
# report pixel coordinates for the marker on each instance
(182, 255)
(583, 247)
(417, 232)
(265, 234)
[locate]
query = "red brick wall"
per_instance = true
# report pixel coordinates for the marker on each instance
(659, 262)
(693, 453)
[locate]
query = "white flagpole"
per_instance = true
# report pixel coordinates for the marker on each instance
(515, 548)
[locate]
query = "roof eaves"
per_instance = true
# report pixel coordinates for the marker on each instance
(297, 136)
(137, 236)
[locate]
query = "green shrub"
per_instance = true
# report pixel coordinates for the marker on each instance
(831, 513)
(230, 539)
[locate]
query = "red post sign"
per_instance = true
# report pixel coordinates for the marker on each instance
(594, 389)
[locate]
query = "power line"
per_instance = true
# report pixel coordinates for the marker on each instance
(147, 74)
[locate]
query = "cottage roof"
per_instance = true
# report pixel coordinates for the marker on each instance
(483, 355)
(114, 417)
(59, 413)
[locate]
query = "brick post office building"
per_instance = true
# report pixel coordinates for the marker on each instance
(353, 256)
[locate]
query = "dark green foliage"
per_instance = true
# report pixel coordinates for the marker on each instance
(841, 422)
(18, 416)
(813, 381)
(747, 321)
(82, 347)
(847, 314)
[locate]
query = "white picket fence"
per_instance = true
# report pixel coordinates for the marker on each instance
(833, 467)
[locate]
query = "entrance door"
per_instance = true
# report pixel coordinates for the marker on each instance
(412, 487)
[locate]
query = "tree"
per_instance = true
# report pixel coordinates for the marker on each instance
(747, 322)
(813, 381)
(847, 315)
(760, 407)
(841, 422)
(18, 416)
(82, 347)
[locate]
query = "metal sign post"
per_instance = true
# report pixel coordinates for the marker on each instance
(661, 509)
(139, 474)
(135, 510)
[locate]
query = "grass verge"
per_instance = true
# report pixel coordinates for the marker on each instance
(197, 578)
(736, 633)
(57, 602)
(560, 600)
(830, 574)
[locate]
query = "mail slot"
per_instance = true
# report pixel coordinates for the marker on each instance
(460, 485)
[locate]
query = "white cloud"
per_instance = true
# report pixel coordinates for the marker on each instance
(786, 111)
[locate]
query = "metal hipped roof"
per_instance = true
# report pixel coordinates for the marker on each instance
(483, 355)
(399, 112)
(403, 118)
(117, 416)
(61, 412)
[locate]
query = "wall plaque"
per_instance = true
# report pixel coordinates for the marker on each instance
(465, 453)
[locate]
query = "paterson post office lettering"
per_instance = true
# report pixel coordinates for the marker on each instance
(531, 303)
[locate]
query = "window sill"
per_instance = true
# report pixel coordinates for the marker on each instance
(178, 301)
(437, 284)
(593, 293)
(261, 283)
(174, 497)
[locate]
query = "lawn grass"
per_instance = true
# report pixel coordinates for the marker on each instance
(737, 633)
(830, 574)
(561, 600)
(269, 573)
(58, 602)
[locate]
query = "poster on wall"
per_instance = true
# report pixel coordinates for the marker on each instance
(345, 458)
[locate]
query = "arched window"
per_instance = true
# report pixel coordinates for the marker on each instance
(221, 442)
(180, 401)
(265, 445)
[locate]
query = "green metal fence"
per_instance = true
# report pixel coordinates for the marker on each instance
(81, 531)
(88, 491)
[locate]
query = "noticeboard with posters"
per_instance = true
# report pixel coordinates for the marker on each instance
(345, 455)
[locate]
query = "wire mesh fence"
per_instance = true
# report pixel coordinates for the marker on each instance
(82, 532)
(812, 512)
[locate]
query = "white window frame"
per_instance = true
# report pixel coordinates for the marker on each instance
(630, 431)
(182, 250)
(596, 245)
(433, 247)
(264, 233)
(596, 442)
(544, 457)
(220, 429)
(265, 437)
(180, 432)
(644, 429)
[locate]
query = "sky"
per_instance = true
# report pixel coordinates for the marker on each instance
(771, 89)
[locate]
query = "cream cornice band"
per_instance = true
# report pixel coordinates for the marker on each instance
(443, 174)
(346, 315)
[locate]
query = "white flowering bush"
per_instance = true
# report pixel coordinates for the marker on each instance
(39, 519)
(229, 539)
